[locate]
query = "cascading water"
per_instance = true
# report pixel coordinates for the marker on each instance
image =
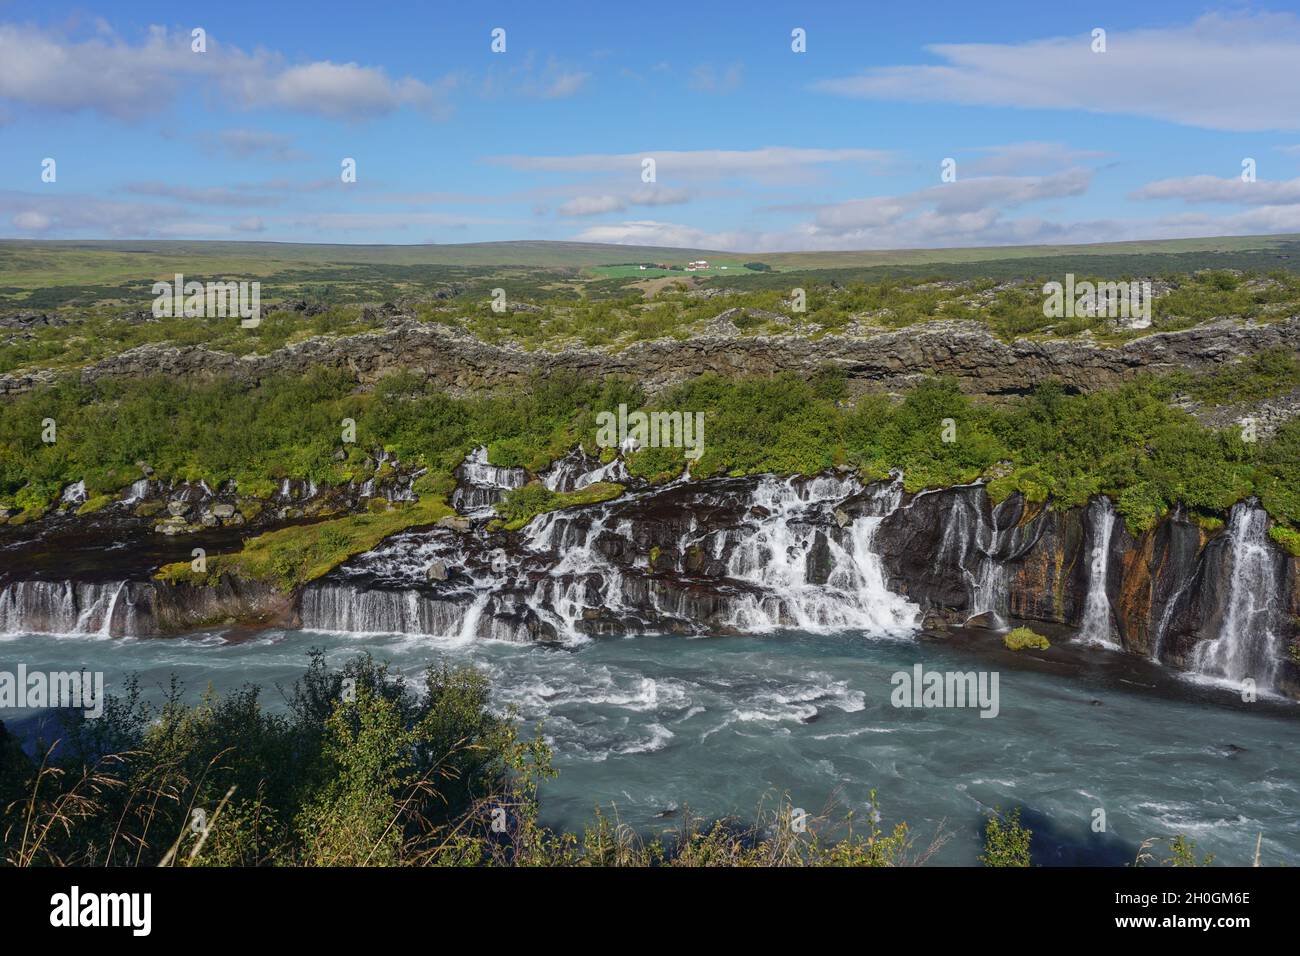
(1096, 626)
(481, 485)
(74, 494)
(986, 576)
(582, 577)
(576, 470)
(741, 554)
(776, 553)
(65, 607)
(1247, 645)
(139, 491)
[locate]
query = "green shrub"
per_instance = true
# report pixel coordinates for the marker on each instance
(1022, 638)
(1126, 442)
(521, 505)
(1183, 853)
(98, 502)
(1006, 842)
(1287, 538)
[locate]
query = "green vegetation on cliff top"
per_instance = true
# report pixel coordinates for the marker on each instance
(522, 505)
(1129, 443)
(553, 311)
(292, 556)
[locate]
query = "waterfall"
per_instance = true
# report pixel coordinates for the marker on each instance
(481, 485)
(578, 470)
(335, 607)
(688, 557)
(583, 579)
(964, 530)
(1247, 644)
(1096, 626)
(776, 553)
(387, 591)
(74, 494)
(65, 607)
(139, 491)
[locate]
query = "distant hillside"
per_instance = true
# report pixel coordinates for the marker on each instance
(51, 274)
(547, 254)
(537, 254)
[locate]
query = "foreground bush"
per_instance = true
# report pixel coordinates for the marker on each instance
(1006, 841)
(1022, 638)
(361, 769)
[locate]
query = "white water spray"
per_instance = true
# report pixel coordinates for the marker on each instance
(1096, 626)
(1247, 645)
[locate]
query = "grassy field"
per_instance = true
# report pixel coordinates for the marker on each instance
(32, 265)
(718, 268)
(911, 257)
(581, 294)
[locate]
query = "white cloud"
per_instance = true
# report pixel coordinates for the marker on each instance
(336, 90)
(646, 196)
(1221, 72)
(592, 205)
(1194, 189)
(1030, 157)
(207, 196)
(49, 70)
(928, 229)
(658, 196)
(648, 232)
(250, 143)
(964, 213)
(104, 74)
(31, 221)
(70, 214)
(554, 80)
(564, 84)
(956, 200)
(364, 221)
(767, 164)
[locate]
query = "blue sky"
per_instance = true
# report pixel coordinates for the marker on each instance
(756, 147)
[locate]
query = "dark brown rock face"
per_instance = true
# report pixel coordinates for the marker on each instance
(1154, 572)
(1171, 592)
(1048, 584)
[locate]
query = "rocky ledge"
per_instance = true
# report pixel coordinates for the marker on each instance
(761, 553)
(967, 351)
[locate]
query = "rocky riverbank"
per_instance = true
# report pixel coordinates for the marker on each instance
(729, 555)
